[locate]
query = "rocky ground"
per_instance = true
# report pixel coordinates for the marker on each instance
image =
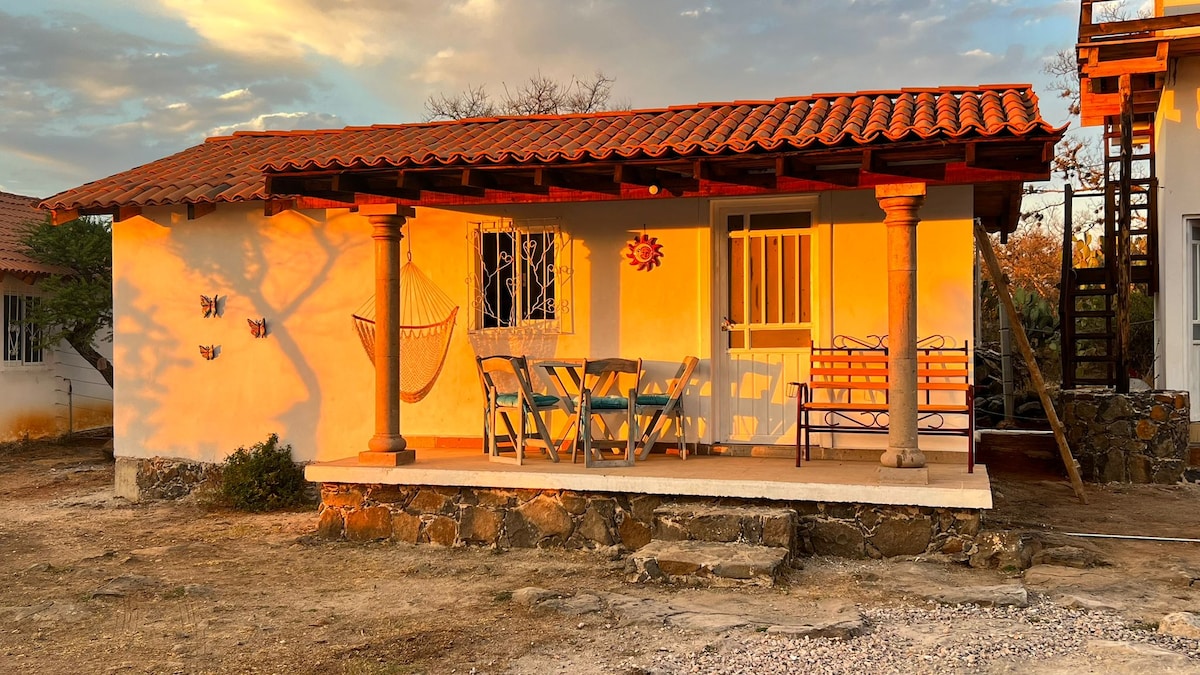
(98, 585)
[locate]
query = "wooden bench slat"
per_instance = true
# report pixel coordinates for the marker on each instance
(850, 358)
(882, 407)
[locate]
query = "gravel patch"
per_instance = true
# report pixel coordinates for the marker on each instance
(930, 639)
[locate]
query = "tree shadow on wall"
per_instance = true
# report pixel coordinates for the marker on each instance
(151, 356)
(249, 274)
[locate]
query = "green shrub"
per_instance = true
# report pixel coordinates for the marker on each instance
(263, 478)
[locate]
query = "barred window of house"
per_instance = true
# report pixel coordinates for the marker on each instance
(520, 275)
(20, 339)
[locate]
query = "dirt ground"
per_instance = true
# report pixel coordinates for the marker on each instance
(98, 585)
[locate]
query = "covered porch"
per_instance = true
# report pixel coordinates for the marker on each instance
(893, 146)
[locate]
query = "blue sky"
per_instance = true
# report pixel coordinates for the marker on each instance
(91, 88)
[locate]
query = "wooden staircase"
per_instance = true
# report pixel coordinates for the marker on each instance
(1094, 313)
(1122, 69)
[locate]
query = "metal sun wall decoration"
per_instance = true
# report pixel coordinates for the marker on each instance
(644, 252)
(258, 328)
(209, 352)
(210, 306)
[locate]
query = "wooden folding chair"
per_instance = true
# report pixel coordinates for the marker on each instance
(599, 396)
(514, 406)
(663, 406)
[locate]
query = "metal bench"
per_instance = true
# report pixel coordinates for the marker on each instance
(847, 391)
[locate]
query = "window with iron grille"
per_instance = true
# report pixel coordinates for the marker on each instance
(20, 339)
(520, 275)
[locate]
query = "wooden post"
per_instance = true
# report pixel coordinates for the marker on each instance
(1060, 435)
(1123, 225)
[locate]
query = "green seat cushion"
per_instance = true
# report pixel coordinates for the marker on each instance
(610, 402)
(539, 400)
(652, 399)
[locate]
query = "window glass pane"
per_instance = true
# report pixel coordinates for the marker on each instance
(1195, 281)
(755, 277)
(537, 275)
(803, 279)
(12, 328)
(33, 354)
(497, 279)
(773, 305)
(737, 280)
(791, 245)
(774, 337)
(780, 221)
(1196, 332)
(736, 222)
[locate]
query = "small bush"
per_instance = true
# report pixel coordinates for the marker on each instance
(263, 478)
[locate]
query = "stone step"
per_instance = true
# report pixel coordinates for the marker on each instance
(706, 563)
(754, 525)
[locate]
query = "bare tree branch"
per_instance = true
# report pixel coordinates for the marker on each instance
(539, 95)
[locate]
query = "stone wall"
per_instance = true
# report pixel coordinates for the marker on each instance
(160, 477)
(452, 516)
(1139, 437)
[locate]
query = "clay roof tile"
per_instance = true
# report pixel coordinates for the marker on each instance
(230, 168)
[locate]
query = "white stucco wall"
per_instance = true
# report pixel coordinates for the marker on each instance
(1177, 146)
(307, 272)
(36, 400)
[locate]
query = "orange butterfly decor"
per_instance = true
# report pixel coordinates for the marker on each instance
(258, 328)
(209, 352)
(209, 305)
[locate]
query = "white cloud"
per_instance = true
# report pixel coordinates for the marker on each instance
(978, 53)
(346, 32)
(280, 121)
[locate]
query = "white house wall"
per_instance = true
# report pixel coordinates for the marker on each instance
(1177, 146)
(306, 272)
(36, 400)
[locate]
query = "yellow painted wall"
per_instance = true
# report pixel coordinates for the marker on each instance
(307, 272)
(308, 381)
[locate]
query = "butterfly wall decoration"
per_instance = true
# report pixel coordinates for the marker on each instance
(210, 305)
(258, 328)
(209, 352)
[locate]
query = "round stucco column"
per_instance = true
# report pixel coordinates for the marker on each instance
(387, 446)
(900, 204)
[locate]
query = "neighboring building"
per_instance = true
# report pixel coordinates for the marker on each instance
(1157, 61)
(767, 214)
(43, 392)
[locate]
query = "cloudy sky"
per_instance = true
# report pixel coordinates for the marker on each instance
(92, 87)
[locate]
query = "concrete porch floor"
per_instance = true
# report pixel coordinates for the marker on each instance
(665, 474)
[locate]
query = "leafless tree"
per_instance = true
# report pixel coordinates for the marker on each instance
(539, 95)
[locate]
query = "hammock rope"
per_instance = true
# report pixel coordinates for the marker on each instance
(427, 317)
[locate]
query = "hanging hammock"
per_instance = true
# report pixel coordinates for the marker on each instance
(426, 324)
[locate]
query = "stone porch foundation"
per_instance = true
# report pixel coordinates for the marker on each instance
(524, 518)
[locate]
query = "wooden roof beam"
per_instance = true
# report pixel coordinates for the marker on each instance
(198, 210)
(574, 180)
(430, 181)
(498, 179)
(876, 161)
(1087, 29)
(379, 186)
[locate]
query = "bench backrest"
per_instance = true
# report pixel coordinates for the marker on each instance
(860, 374)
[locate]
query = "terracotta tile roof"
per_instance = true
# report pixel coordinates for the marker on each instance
(15, 212)
(230, 168)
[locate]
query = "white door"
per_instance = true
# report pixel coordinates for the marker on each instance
(767, 315)
(1193, 380)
